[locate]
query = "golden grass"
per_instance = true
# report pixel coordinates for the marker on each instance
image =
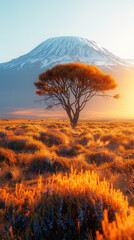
(45, 162)
(118, 229)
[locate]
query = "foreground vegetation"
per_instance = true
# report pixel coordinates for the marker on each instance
(62, 183)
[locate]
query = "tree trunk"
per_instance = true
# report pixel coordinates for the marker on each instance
(74, 119)
(73, 124)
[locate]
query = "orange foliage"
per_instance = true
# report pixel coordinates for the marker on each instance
(77, 73)
(117, 96)
(71, 86)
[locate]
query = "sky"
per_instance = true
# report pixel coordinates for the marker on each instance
(26, 23)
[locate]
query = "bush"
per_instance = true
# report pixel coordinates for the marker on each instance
(85, 139)
(16, 142)
(66, 150)
(40, 164)
(100, 157)
(34, 145)
(7, 156)
(59, 166)
(51, 138)
(68, 207)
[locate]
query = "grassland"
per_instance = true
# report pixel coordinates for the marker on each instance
(62, 183)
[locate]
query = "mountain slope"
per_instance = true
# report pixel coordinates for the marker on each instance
(67, 49)
(17, 76)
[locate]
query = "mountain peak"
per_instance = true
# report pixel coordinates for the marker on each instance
(63, 45)
(66, 49)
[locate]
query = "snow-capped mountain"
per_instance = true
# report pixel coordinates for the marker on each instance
(67, 49)
(17, 76)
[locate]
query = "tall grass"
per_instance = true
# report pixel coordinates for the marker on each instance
(65, 206)
(63, 183)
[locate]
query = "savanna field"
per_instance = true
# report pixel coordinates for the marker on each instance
(62, 183)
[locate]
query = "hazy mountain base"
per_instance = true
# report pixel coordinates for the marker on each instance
(52, 182)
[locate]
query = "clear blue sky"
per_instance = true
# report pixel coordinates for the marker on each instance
(26, 23)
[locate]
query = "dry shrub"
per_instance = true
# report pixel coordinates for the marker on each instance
(97, 133)
(16, 142)
(11, 175)
(66, 131)
(130, 144)
(79, 163)
(119, 182)
(110, 169)
(67, 150)
(34, 135)
(7, 156)
(40, 162)
(117, 140)
(85, 139)
(53, 137)
(24, 143)
(106, 137)
(96, 136)
(19, 132)
(23, 158)
(113, 144)
(34, 145)
(100, 157)
(52, 126)
(17, 174)
(60, 165)
(6, 175)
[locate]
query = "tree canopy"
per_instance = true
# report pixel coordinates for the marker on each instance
(72, 85)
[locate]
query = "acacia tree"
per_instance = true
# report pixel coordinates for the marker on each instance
(71, 86)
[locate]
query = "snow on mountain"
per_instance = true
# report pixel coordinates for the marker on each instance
(68, 49)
